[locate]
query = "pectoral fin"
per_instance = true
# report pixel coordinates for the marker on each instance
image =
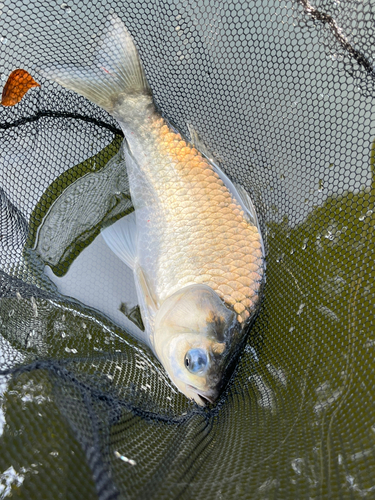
(148, 296)
(147, 305)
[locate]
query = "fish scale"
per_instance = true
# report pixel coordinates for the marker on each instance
(208, 239)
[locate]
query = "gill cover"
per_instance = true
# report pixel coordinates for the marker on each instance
(195, 309)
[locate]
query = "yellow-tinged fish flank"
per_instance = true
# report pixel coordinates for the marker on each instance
(193, 241)
(223, 241)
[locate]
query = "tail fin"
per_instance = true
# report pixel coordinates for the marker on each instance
(116, 70)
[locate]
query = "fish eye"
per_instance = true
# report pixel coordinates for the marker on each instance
(196, 360)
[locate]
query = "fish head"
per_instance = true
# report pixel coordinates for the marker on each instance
(192, 336)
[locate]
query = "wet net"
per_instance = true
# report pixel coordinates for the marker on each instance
(282, 93)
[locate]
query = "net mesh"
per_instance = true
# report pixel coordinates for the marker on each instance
(282, 93)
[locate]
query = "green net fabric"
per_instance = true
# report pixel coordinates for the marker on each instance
(282, 93)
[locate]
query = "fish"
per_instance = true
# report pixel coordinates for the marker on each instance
(18, 83)
(193, 241)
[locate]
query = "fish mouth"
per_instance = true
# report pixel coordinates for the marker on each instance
(205, 399)
(202, 398)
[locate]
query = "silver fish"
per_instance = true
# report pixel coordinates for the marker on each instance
(193, 240)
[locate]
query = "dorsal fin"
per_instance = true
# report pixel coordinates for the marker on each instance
(237, 191)
(197, 141)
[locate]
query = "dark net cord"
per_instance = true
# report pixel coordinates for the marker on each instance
(337, 32)
(52, 114)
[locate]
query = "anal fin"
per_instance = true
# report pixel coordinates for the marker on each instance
(121, 238)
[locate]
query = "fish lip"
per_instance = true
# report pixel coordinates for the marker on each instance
(205, 396)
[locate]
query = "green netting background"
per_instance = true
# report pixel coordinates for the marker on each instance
(283, 94)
